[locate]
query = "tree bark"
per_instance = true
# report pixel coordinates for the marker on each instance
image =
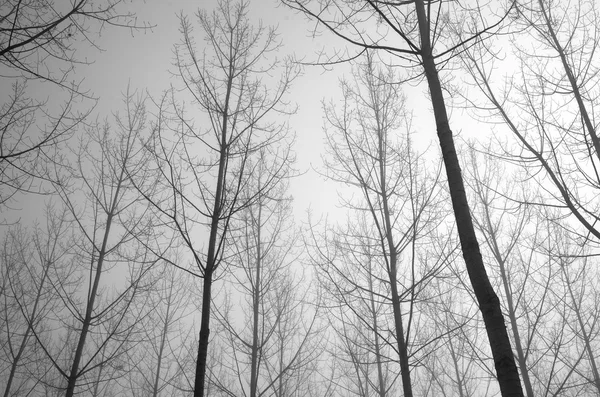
(211, 257)
(489, 304)
(255, 307)
(509, 301)
(204, 334)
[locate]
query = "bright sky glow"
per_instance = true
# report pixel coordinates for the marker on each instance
(144, 60)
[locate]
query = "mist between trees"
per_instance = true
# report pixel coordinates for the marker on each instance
(167, 260)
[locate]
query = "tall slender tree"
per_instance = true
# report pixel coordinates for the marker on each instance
(420, 28)
(273, 347)
(112, 234)
(369, 148)
(28, 261)
(159, 359)
(205, 169)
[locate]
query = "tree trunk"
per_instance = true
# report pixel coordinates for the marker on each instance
(255, 308)
(87, 321)
(204, 334)
(489, 304)
(393, 267)
(402, 349)
(30, 321)
(381, 389)
(459, 379)
(163, 341)
(211, 257)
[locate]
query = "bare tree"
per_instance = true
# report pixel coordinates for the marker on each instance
(76, 316)
(111, 237)
(271, 351)
(204, 170)
(548, 105)
(369, 149)
(544, 274)
(360, 322)
(569, 359)
(160, 359)
(502, 224)
(460, 364)
(28, 262)
(420, 28)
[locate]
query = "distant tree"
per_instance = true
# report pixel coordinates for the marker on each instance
(272, 349)
(110, 255)
(29, 260)
(360, 322)
(544, 274)
(459, 363)
(70, 289)
(369, 149)
(204, 170)
(559, 316)
(159, 360)
(548, 105)
(502, 224)
(576, 300)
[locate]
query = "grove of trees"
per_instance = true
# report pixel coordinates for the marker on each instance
(165, 258)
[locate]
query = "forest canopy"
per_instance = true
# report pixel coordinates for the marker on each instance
(155, 245)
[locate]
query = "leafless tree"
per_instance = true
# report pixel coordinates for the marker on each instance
(205, 168)
(567, 358)
(38, 44)
(160, 359)
(458, 363)
(109, 257)
(76, 301)
(413, 34)
(369, 149)
(539, 265)
(29, 260)
(502, 224)
(272, 350)
(363, 341)
(548, 105)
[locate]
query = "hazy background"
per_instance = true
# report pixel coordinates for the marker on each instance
(143, 59)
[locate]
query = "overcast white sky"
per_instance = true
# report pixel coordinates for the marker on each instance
(144, 58)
